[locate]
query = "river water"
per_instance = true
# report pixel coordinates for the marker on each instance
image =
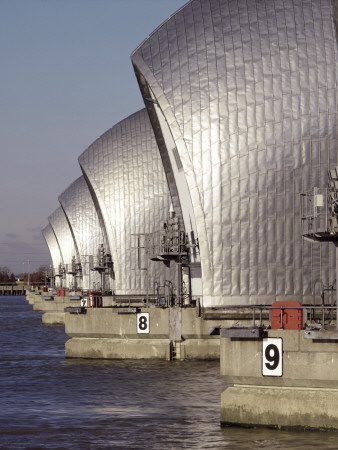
(47, 401)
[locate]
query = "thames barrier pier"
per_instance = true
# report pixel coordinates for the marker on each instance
(302, 395)
(214, 203)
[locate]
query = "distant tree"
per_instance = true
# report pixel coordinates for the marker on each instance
(6, 276)
(40, 276)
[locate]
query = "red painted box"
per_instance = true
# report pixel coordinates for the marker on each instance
(292, 316)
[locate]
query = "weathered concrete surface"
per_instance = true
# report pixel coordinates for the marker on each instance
(108, 323)
(200, 349)
(306, 395)
(280, 407)
(306, 363)
(54, 309)
(32, 296)
(36, 296)
(53, 318)
(56, 304)
(187, 334)
(109, 348)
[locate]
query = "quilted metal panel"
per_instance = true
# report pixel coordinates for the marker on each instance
(125, 173)
(53, 248)
(59, 223)
(83, 220)
(249, 92)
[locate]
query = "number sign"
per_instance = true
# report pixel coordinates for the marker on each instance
(84, 302)
(272, 357)
(143, 323)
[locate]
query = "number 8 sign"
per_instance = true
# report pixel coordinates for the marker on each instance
(272, 357)
(143, 323)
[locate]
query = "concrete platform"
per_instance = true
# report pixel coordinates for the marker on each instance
(56, 304)
(173, 333)
(280, 407)
(53, 318)
(109, 348)
(294, 385)
(51, 305)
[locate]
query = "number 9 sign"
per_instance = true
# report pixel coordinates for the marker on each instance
(272, 357)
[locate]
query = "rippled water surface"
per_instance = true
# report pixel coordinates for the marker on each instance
(47, 401)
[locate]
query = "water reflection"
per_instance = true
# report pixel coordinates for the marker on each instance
(49, 402)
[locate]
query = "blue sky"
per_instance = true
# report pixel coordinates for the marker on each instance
(65, 78)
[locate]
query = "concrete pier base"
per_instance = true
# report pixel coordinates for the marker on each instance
(118, 348)
(52, 306)
(195, 349)
(280, 407)
(303, 394)
(113, 333)
(33, 296)
(124, 348)
(53, 318)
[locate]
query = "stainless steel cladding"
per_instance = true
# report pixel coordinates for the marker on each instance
(128, 184)
(59, 223)
(83, 220)
(54, 251)
(244, 93)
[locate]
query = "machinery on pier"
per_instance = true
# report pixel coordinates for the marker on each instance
(319, 211)
(103, 264)
(170, 245)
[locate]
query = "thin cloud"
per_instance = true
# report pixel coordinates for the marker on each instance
(11, 236)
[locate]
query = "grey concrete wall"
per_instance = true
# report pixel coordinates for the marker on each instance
(280, 407)
(176, 331)
(305, 396)
(56, 304)
(306, 363)
(53, 318)
(107, 323)
(108, 348)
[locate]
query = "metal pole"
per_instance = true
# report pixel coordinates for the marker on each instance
(179, 283)
(336, 286)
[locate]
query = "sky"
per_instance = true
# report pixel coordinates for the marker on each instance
(65, 78)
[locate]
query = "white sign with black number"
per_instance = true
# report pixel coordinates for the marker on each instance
(143, 323)
(84, 302)
(272, 357)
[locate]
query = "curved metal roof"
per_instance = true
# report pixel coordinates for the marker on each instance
(247, 93)
(126, 177)
(80, 211)
(53, 247)
(64, 237)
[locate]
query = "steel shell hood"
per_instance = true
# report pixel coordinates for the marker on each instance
(248, 90)
(53, 246)
(78, 206)
(60, 225)
(126, 178)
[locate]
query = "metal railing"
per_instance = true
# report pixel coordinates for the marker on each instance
(319, 210)
(316, 216)
(310, 316)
